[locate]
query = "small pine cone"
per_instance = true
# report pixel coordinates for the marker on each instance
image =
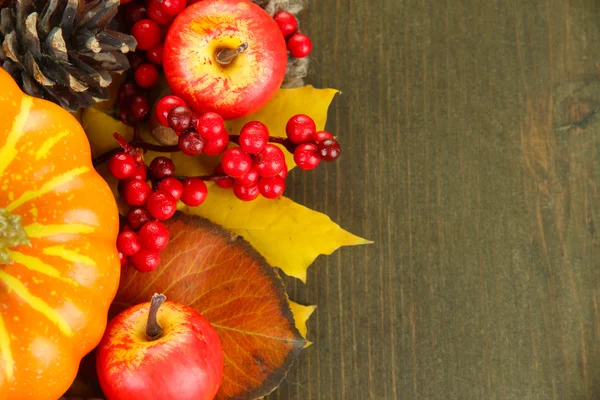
(62, 50)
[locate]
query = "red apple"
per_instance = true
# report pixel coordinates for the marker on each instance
(160, 353)
(225, 56)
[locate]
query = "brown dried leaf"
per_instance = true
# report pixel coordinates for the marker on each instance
(229, 283)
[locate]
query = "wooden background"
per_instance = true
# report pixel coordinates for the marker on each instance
(472, 158)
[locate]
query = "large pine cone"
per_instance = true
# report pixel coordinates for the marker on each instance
(62, 50)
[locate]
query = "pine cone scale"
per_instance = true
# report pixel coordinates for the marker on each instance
(62, 50)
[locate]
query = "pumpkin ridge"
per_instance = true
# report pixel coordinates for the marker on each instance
(68, 255)
(37, 265)
(5, 351)
(47, 187)
(35, 302)
(49, 144)
(8, 151)
(37, 230)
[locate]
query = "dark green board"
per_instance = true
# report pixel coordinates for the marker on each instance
(472, 159)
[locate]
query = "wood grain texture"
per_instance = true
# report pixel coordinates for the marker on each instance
(472, 158)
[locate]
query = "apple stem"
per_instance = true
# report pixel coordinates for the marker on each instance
(153, 329)
(226, 56)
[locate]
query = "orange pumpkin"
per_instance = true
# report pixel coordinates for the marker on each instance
(59, 267)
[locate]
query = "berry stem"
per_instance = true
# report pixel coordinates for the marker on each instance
(130, 147)
(206, 178)
(288, 144)
(139, 143)
(153, 329)
(137, 133)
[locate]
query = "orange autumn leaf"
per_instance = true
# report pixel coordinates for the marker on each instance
(229, 283)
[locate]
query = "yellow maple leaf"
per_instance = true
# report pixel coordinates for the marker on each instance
(289, 235)
(100, 127)
(301, 315)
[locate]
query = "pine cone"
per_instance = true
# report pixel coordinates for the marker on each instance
(62, 50)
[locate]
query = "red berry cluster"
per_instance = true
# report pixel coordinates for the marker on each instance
(133, 103)
(255, 167)
(311, 146)
(197, 133)
(149, 21)
(144, 236)
(298, 44)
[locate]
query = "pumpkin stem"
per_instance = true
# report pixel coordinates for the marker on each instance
(226, 56)
(153, 329)
(12, 234)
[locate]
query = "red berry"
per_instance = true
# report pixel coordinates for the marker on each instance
(138, 217)
(139, 173)
(180, 118)
(322, 135)
(136, 192)
(154, 236)
(135, 59)
(191, 143)
(145, 260)
(306, 156)
(171, 186)
(222, 182)
(173, 7)
(124, 116)
(128, 243)
(135, 12)
(270, 161)
(329, 150)
(155, 54)
(210, 125)
(146, 75)
(157, 14)
(217, 146)
(161, 205)
(236, 162)
(287, 23)
(123, 259)
(194, 192)
(147, 33)
(300, 128)
(250, 179)
(164, 106)
(121, 165)
(140, 108)
(299, 45)
(246, 193)
(162, 167)
(254, 137)
(284, 172)
(127, 91)
(272, 187)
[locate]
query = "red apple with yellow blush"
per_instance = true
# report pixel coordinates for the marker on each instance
(225, 56)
